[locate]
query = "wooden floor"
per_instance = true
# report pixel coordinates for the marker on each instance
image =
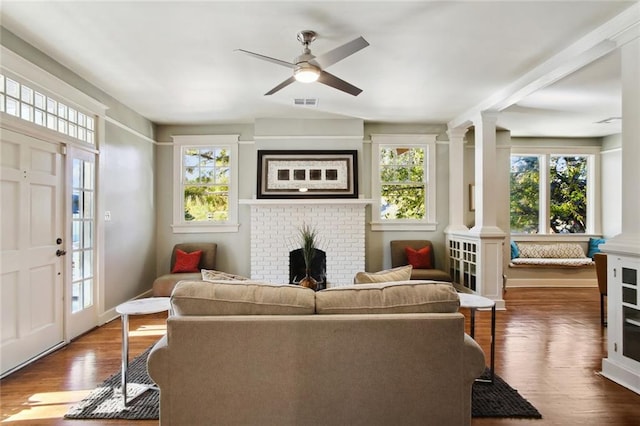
(549, 347)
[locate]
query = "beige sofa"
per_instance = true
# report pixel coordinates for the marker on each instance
(374, 354)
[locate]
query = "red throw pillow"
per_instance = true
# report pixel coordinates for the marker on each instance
(419, 259)
(187, 262)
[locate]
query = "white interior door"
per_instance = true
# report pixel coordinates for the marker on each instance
(81, 306)
(32, 248)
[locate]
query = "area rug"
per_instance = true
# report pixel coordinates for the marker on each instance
(105, 402)
(498, 399)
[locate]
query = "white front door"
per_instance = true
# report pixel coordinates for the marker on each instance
(32, 248)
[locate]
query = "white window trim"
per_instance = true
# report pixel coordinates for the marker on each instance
(428, 143)
(180, 226)
(593, 187)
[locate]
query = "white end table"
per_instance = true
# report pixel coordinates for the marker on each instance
(149, 305)
(474, 302)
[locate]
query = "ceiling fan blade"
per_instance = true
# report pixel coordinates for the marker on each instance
(268, 58)
(280, 86)
(341, 52)
(333, 81)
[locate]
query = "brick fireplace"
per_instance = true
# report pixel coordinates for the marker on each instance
(274, 230)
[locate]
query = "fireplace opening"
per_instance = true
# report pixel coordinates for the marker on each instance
(297, 268)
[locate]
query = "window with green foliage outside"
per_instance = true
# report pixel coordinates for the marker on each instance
(525, 194)
(564, 194)
(402, 182)
(206, 180)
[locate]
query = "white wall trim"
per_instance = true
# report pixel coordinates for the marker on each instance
(123, 126)
(610, 151)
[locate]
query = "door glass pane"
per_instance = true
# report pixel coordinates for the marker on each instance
(87, 293)
(87, 266)
(76, 266)
(87, 240)
(76, 297)
(75, 235)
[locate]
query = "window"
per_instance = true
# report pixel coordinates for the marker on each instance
(403, 182)
(22, 101)
(552, 193)
(206, 189)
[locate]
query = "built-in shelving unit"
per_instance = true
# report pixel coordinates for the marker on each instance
(463, 261)
(623, 330)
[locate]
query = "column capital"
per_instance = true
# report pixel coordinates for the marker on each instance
(488, 116)
(457, 133)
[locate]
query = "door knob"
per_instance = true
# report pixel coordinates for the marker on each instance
(60, 252)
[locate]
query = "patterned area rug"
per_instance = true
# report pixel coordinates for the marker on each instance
(105, 402)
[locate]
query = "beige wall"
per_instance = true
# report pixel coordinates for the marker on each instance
(233, 248)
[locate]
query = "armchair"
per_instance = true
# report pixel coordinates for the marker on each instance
(399, 258)
(163, 285)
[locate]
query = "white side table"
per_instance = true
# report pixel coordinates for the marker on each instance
(149, 305)
(474, 302)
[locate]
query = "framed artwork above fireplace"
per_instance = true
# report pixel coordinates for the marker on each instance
(307, 174)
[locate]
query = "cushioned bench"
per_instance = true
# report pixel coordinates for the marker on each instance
(550, 264)
(549, 255)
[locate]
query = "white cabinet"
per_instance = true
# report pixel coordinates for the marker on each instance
(622, 364)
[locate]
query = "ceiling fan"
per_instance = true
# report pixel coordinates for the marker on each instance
(308, 68)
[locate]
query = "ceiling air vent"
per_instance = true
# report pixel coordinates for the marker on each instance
(309, 102)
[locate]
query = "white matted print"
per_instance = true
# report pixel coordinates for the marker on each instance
(307, 174)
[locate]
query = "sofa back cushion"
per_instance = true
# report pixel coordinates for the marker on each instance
(401, 273)
(395, 297)
(241, 298)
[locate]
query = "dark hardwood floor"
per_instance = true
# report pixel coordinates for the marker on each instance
(549, 347)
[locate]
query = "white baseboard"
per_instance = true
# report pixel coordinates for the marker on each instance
(550, 282)
(111, 314)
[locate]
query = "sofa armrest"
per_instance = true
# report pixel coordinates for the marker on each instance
(158, 362)
(473, 358)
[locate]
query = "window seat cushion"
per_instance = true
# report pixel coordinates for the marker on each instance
(551, 262)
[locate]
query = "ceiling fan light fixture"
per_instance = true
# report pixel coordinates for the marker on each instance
(306, 73)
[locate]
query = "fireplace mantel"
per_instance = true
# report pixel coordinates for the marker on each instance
(304, 201)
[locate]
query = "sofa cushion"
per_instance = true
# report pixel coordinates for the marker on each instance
(401, 273)
(242, 298)
(389, 298)
(186, 262)
(419, 259)
(211, 275)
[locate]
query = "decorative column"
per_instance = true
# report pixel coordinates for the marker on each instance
(456, 181)
(489, 273)
(622, 364)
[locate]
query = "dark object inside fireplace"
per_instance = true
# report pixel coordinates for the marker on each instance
(297, 268)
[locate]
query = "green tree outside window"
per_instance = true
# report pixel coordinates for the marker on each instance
(402, 183)
(206, 179)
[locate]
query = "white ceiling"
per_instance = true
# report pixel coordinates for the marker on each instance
(174, 62)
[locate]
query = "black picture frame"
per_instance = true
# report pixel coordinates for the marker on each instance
(307, 174)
